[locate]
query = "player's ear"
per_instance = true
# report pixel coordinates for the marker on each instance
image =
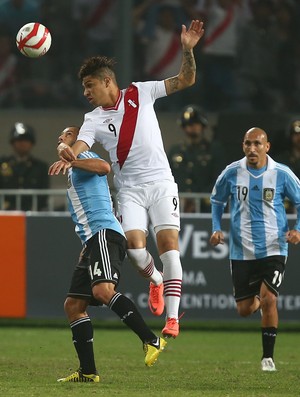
(107, 81)
(243, 146)
(268, 147)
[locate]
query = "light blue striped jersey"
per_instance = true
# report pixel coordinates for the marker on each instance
(258, 219)
(90, 202)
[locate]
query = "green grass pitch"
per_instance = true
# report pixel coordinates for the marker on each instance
(200, 362)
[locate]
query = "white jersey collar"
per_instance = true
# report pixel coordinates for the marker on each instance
(270, 165)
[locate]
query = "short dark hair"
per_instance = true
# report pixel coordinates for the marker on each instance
(97, 66)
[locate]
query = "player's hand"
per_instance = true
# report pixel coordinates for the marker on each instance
(65, 152)
(293, 237)
(191, 36)
(58, 166)
(217, 238)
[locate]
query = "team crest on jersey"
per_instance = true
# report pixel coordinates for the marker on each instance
(132, 103)
(268, 194)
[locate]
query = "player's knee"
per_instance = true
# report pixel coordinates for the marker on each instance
(74, 307)
(167, 246)
(167, 240)
(268, 302)
(99, 295)
(103, 292)
(139, 256)
(244, 310)
(68, 306)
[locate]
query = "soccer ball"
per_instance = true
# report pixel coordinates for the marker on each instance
(33, 40)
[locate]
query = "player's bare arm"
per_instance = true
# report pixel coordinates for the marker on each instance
(96, 166)
(58, 167)
(187, 73)
(67, 153)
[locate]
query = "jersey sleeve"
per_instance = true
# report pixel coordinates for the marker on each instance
(88, 155)
(156, 89)
(221, 189)
(87, 131)
(218, 199)
(85, 156)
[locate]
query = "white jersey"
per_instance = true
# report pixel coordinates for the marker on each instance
(130, 132)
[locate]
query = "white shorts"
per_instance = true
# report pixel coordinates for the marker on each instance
(154, 202)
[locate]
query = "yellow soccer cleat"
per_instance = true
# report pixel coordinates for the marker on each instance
(78, 376)
(152, 351)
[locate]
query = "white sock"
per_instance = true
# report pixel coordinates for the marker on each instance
(172, 272)
(144, 263)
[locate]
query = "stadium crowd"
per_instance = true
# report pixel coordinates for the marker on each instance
(248, 60)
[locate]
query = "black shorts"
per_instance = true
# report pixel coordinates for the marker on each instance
(247, 276)
(99, 262)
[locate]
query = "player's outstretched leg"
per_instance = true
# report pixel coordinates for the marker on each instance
(144, 262)
(156, 298)
(172, 291)
(129, 314)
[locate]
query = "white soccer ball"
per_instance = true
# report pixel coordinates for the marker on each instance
(33, 40)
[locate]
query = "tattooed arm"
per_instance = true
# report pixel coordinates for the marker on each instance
(187, 73)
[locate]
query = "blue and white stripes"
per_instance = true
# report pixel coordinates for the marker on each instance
(90, 202)
(258, 218)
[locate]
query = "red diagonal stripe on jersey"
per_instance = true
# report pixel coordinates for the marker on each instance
(127, 130)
